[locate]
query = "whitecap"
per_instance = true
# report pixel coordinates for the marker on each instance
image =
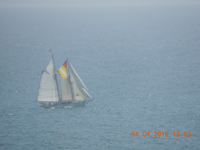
(68, 107)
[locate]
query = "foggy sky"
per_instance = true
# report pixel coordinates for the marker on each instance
(92, 3)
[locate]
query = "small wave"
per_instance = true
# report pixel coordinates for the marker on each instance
(68, 107)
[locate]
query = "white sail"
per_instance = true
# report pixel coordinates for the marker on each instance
(48, 91)
(66, 89)
(80, 93)
(75, 79)
(73, 89)
(80, 90)
(50, 68)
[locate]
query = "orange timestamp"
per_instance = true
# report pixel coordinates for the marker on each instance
(161, 134)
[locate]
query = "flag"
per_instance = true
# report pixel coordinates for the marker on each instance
(50, 50)
(63, 70)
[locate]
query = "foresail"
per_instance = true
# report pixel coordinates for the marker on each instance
(48, 91)
(75, 79)
(66, 89)
(80, 92)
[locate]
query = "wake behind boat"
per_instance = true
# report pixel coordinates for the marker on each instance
(73, 90)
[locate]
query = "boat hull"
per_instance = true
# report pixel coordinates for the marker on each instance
(65, 105)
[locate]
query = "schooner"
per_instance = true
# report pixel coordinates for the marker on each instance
(73, 90)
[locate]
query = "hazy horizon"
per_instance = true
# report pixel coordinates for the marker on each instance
(93, 3)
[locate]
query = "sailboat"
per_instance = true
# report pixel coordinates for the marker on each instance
(73, 90)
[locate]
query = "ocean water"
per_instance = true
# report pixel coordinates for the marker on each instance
(140, 64)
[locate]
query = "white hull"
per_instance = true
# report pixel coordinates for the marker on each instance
(64, 105)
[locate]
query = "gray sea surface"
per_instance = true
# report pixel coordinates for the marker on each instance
(140, 64)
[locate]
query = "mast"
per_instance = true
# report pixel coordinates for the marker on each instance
(70, 81)
(57, 87)
(56, 79)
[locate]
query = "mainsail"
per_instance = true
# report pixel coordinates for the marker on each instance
(80, 90)
(65, 83)
(48, 91)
